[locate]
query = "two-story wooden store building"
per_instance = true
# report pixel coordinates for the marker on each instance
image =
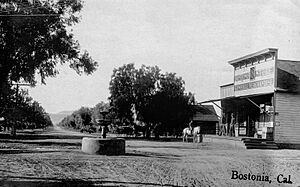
(264, 98)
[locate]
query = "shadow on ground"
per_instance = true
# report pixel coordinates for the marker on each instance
(20, 151)
(29, 136)
(54, 182)
(152, 155)
(168, 147)
(42, 142)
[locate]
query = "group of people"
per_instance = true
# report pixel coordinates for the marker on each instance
(231, 130)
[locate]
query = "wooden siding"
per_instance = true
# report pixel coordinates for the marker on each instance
(288, 108)
(227, 91)
(205, 113)
(288, 73)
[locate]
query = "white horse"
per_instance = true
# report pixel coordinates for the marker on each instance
(188, 132)
(197, 136)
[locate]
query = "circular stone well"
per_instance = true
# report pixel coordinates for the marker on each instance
(106, 146)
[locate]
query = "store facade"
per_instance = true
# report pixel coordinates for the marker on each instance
(264, 99)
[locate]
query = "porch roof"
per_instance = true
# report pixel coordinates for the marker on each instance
(205, 113)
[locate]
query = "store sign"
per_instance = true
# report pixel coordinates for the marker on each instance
(243, 131)
(254, 79)
(266, 124)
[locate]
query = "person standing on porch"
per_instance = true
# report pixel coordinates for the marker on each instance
(231, 125)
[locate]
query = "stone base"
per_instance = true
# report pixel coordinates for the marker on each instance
(99, 146)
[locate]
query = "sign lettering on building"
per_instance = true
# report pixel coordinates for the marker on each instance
(254, 79)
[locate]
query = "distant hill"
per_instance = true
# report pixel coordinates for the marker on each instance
(56, 118)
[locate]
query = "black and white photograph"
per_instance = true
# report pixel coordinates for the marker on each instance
(145, 93)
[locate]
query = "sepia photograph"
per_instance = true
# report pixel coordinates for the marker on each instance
(145, 93)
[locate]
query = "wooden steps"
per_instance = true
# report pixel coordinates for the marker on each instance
(256, 143)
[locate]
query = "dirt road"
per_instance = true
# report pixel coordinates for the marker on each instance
(146, 163)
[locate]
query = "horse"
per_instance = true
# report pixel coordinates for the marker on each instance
(186, 132)
(195, 132)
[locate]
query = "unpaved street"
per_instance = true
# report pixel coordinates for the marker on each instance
(60, 162)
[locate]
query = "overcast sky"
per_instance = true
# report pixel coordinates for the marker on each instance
(193, 38)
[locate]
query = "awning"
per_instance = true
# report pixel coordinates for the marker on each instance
(205, 113)
(213, 102)
(210, 101)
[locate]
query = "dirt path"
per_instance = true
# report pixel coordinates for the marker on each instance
(146, 163)
(57, 130)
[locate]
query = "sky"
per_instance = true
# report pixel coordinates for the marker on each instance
(194, 39)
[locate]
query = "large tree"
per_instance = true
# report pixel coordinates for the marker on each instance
(122, 92)
(34, 39)
(169, 109)
(131, 91)
(156, 99)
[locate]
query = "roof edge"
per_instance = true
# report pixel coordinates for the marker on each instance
(228, 84)
(284, 60)
(267, 50)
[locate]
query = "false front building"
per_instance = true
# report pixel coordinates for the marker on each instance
(264, 98)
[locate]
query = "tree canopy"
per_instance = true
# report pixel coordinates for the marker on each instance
(146, 95)
(35, 38)
(28, 114)
(122, 91)
(85, 119)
